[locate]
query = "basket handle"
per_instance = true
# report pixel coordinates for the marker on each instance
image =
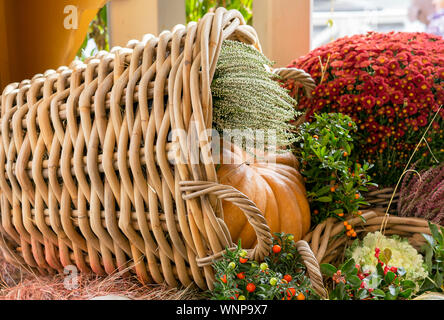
(259, 224)
(253, 214)
(313, 269)
(297, 75)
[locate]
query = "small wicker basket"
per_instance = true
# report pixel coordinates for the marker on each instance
(328, 243)
(380, 199)
(87, 173)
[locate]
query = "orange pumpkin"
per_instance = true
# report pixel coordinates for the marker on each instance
(277, 189)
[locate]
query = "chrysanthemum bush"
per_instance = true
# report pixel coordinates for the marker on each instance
(391, 85)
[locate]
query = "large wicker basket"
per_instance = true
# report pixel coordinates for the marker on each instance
(88, 176)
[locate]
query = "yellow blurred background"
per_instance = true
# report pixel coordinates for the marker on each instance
(34, 37)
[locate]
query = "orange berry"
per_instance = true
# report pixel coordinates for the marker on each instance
(359, 213)
(345, 154)
(276, 248)
(241, 275)
(345, 223)
(291, 292)
(332, 189)
(224, 278)
(300, 296)
(316, 137)
(243, 260)
(341, 214)
(354, 234)
(349, 233)
(288, 278)
(251, 287)
(315, 212)
(348, 227)
(357, 196)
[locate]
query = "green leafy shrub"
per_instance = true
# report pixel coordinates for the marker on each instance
(196, 9)
(434, 259)
(334, 182)
(352, 283)
(97, 30)
(282, 276)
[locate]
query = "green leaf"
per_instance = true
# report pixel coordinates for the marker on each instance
(354, 281)
(348, 148)
(438, 279)
(393, 290)
(407, 284)
(378, 293)
(406, 293)
(379, 269)
(374, 281)
(389, 296)
(435, 233)
(362, 294)
(348, 266)
(324, 199)
(341, 291)
(323, 191)
(385, 255)
(430, 240)
(328, 269)
(389, 277)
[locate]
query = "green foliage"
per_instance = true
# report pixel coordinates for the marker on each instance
(434, 259)
(351, 283)
(234, 275)
(196, 9)
(98, 30)
(246, 97)
(334, 182)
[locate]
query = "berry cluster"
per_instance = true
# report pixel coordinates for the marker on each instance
(280, 277)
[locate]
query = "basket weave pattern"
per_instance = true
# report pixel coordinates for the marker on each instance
(328, 242)
(89, 177)
(380, 199)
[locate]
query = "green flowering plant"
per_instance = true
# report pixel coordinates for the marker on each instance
(334, 182)
(401, 254)
(196, 9)
(434, 259)
(351, 282)
(282, 275)
(248, 102)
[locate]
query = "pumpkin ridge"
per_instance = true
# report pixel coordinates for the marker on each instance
(289, 212)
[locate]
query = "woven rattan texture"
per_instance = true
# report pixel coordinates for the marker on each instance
(90, 177)
(328, 242)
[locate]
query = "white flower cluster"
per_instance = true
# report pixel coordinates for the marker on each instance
(403, 255)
